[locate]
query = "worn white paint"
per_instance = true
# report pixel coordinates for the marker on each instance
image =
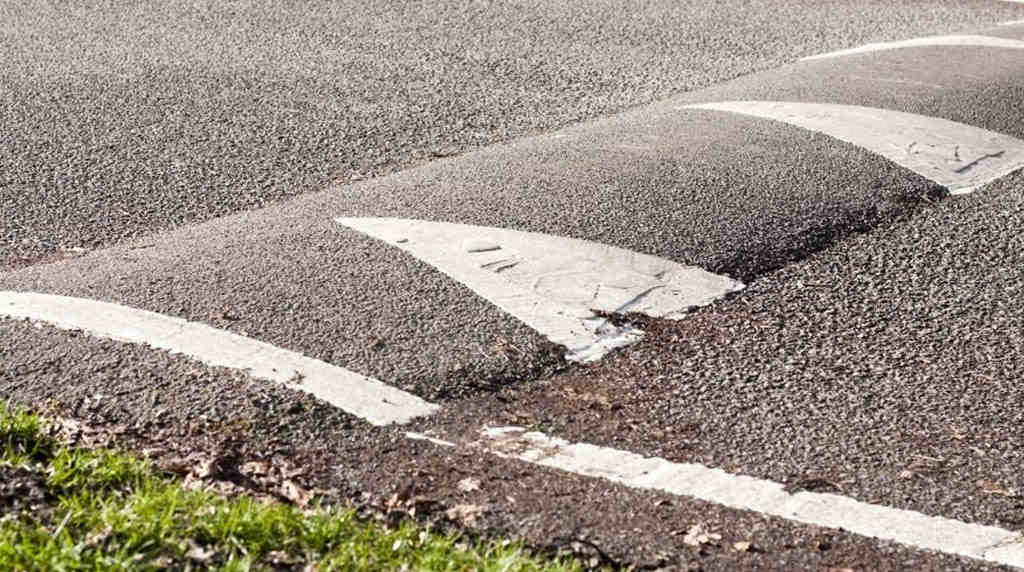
(957, 156)
(424, 437)
(1012, 23)
(554, 283)
(954, 40)
(714, 485)
(359, 395)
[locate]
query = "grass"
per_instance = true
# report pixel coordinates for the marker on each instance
(114, 511)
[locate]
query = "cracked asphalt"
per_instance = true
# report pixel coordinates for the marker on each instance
(189, 159)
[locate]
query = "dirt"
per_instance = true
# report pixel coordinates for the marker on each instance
(23, 493)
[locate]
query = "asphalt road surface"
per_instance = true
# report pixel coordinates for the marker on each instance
(120, 119)
(646, 288)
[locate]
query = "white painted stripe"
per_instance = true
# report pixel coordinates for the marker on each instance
(956, 40)
(553, 283)
(368, 398)
(714, 485)
(957, 156)
(1012, 23)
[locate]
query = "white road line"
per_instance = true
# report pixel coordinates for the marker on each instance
(378, 403)
(714, 485)
(553, 283)
(1011, 23)
(957, 156)
(955, 40)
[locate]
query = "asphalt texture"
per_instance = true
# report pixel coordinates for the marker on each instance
(886, 368)
(1012, 29)
(185, 416)
(978, 86)
(730, 194)
(874, 354)
(121, 119)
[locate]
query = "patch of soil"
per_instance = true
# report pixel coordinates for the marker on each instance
(23, 491)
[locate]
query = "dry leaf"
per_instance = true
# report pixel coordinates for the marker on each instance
(465, 513)
(394, 502)
(741, 546)
(469, 484)
(98, 538)
(163, 562)
(199, 554)
(279, 557)
(296, 494)
(697, 536)
(258, 468)
(205, 468)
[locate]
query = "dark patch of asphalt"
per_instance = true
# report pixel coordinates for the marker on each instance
(172, 409)
(887, 367)
(122, 119)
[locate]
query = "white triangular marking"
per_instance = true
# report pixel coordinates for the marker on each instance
(959, 157)
(553, 283)
(956, 40)
(359, 395)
